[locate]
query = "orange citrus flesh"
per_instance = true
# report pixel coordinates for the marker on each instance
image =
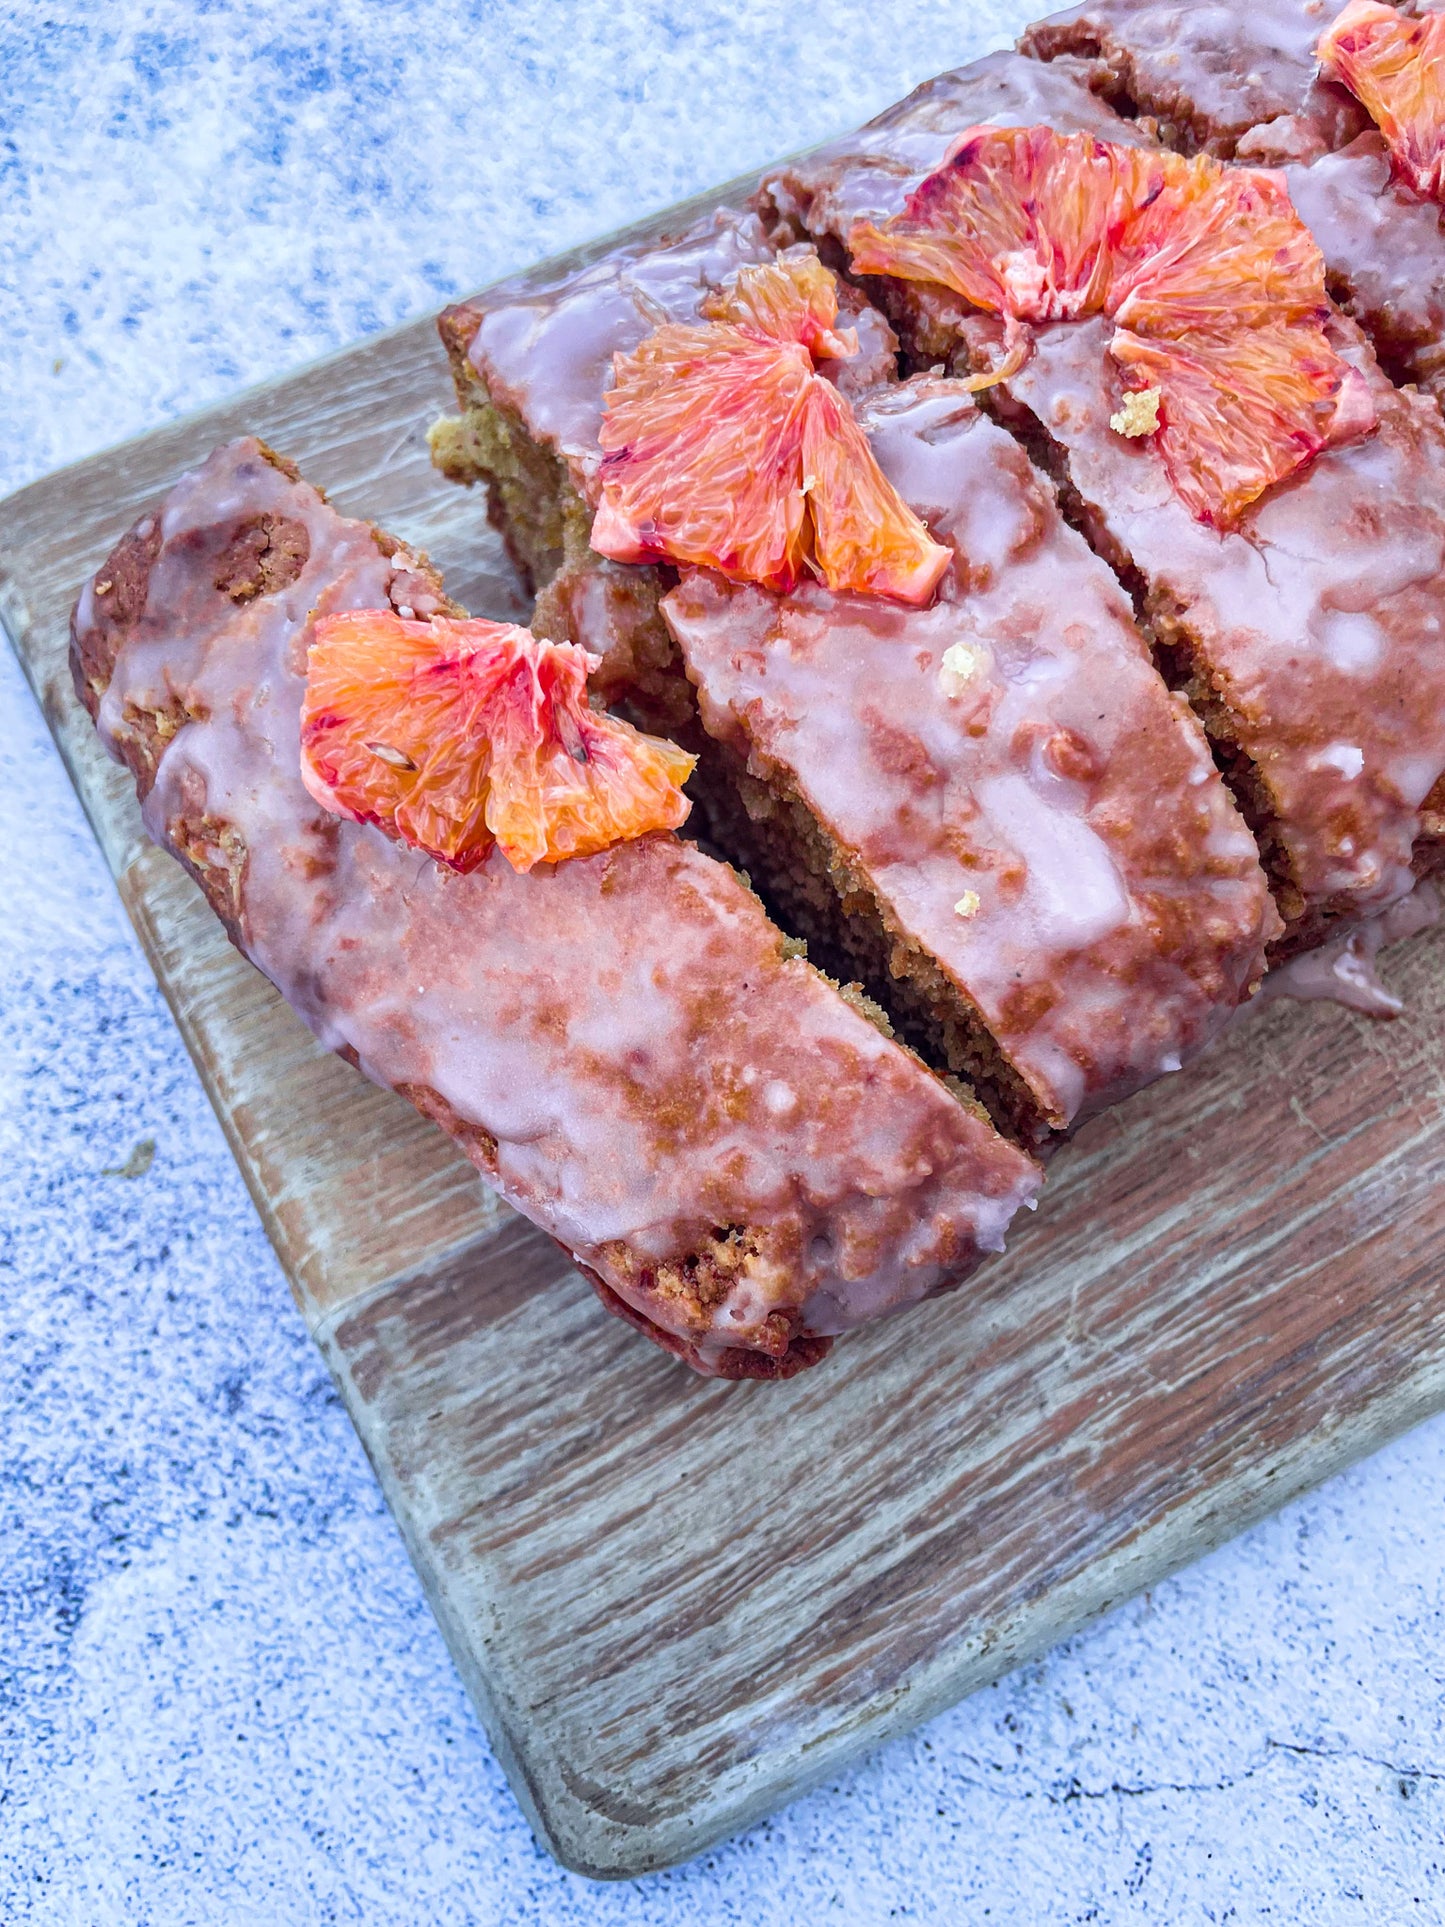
(852, 503)
(1213, 247)
(452, 736)
(1240, 412)
(1020, 221)
(1395, 66)
(1220, 301)
(1216, 285)
(724, 448)
(792, 300)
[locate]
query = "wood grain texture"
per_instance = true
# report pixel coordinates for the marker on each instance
(679, 1602)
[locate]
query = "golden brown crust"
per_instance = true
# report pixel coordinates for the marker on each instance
(265, 555)
(119, 597)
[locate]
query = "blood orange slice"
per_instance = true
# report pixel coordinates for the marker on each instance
(701, 463)
(724, 448)
(453, 735)
(863, 532)
(1396, 67)
(1217, 287)
(1219, 293)
(795, 299)
(1020, 221)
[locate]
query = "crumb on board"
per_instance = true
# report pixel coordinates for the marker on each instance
(136, 1165)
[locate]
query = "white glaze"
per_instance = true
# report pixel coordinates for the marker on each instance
(1321, 618)
(1344, 971)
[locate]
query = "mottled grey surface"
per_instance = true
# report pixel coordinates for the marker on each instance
(221, 1695)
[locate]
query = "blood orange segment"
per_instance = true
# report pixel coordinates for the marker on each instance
(863, 532)
(1396, 67)
(567, 780)
(1219, 293)
(724, 448)
(791, 300)
(701, 437)
(1214, 247)
(1217, 286)
(453, 735)
(1241, 411)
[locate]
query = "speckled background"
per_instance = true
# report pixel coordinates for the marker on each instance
(222, 1697)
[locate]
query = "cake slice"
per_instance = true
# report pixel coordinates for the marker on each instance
(991, 810)
(740, 1159)
(1243, 82)
(1308, 638)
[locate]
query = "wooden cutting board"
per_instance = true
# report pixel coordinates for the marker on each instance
(677, 1603)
